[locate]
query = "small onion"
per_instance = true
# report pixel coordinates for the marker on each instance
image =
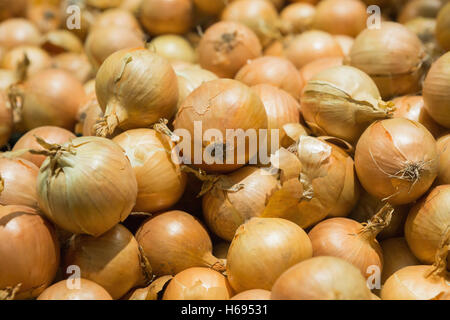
(29, 251)
(38, 59)
(321, 278)
(173, 48)
(117, 18)
(443, 27)
(6, 119)
(45, 16)
(198, 284)
(276, 71)
(135, 88)
(308, 71)
(175, 241)
(86, 185)
(297, 17)
(345, 42)
(59, 41)
(18, 31)
(75, 63)
(274, 246)
(226, 47)
(49, 133)
(419, 8)
(443, 145)
(253, 294)
(88, 290)
(396, 159)
(211, 7)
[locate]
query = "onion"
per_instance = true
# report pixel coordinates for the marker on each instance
(7, 78)
(198, 284)
(175, 241)
(50, 97)
(93, 256)
(419, 8)
(345, 42)
(87, 16)
(104, 4)
(443, 145)
(38, 59)
(86, 185)
(18, 31)
(49, 133)
(151, 292)
(88, 290)
(396, 159)
(425, 29)
(45, 16)
(427, 223)
(321, 278)
(226, 47)
(59, 41)
(253, 294)
(117, 18)
(160, 181)
(309, 70)
(6, 119)
(13, 8)
(443, 26)
(210, 7)
(275, 49)
(436, 91)
(75, 63)
(135, 88)
(89, 87)
(392, 55)
(166, 16)
(29, 251)
(88, 116)
(276, 71)
(297, 17)
(274, 246)
(173, 48)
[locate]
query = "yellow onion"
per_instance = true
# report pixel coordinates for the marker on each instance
(59, 41)
(166, 16)
(392, 55)
(88, 116)
(321, 278)
(104, 4)
(75, 63)
(427, 223)
(153, 291)
(117, 18)
(7, 78)
(112, 260)
(175, 241)
(18, 31)
(396, 159)
(297, 17)
(211, 7)
(345, 42)
(309, 70)
(6, 118)
(49, 133)
(38, 59)
(103, 41)
(135, 88)
(253, 294)
(198, 284)
(276, 71)
(173, 48)
(89, 87)
(160, 181)
(436, 91)
(274, 246)
(443, 26)
(226, 47)
(443, 145)
(45, 16)
(88, 290)
(13, 8)
(86, 185)
(309, 46)
(419, 8)
(275, 49)
(29, 251)
(86, 18)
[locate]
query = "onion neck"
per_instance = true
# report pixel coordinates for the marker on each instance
(9, 292)
(58, 154)
(439, 267)
(214, 263)
(115, 115)
(377, 223)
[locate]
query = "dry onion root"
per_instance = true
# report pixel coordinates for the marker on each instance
(88, 290)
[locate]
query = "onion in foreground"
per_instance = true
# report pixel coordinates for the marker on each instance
(88, 290)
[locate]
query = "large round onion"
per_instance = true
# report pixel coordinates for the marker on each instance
(38, 59)
(135, 88)
(117, 18)
(86, 185)
(6, 118)
(160, 181)
(166, 16)
(321, 278)
(262, 249)
(18, 31)
(175, 241)
(75, 63)
(396, 159)
(88, 290)
(173, 48)
(29, 251)
(253, 294)
(443, 145)
(297, 17)
(308, 71)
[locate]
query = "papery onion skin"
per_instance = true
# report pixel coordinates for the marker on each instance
(6, 118)
(59, 41)
(253, 294)
(274, 245)
(95, 189)
(29, 251)
(308, 71)
(198, 284)
(151, 292)
(226, 46)
(88, 290)
(321, 278)
(18, 31)
(161, 182)
(175, 241)
(50, 134)
(427, 223)
(38, 59)
(396, 159)
(443, 26)
(443, 145)
(173, 48)
(297, 17)
(75, 63)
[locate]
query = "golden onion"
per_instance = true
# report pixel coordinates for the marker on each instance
(443, 145)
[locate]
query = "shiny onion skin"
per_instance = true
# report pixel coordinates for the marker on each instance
(50, 134)
(88, 290)
(253, 294)
(198, 284)
(18, 31)
(175, 241)
(443, 145)
(135, 88)
(86, 185)
(75, 63)
(173, 48)
(6, 118)
(308, 71)
(226, 47)
(276, 71)
(443, 26)
(321, 278)
(297, 17)
(396, 159)
(29, 251)
(38, 59)
(436, 91)
(274, 246)
(161, 182)
(342, 102)
(112, 260)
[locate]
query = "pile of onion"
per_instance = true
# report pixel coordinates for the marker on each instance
(86, 185)
(308, 71)
(87, 290)
(175, 241)
(135, 88)
(321, 278)
(252, 294)
(6, 118)
(443, 26)
(166, 16)
(443, 145)
(297, 17)
(29, 251)
(75, 63)
(38, 59)
(18, 31)
(59, 41)
(396, 159)
(45, 16)
(274, 246)
(173, 48)
(226, 47)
